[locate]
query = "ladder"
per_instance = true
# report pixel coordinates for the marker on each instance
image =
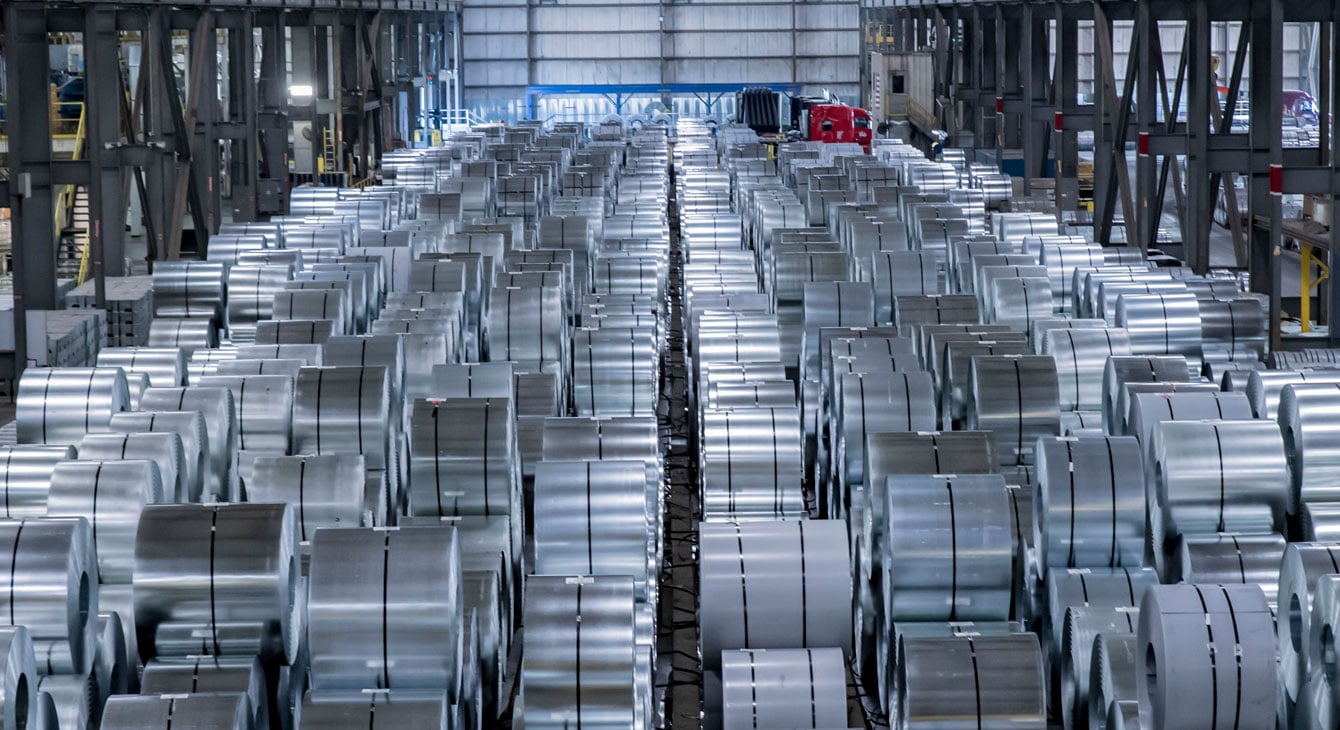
(73, 247)
(327, 150)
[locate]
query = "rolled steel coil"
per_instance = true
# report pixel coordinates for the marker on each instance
(1090, 505)
(601, 528)
(474, 380)
(1307, 418)
(1265, 388)
(579, 665)
(240, 596)
(60, 405)
(1229, 558)
(215, 710)
(376, 710)
(25, 477)
(112, 666)
(206, 362)
(463, 457)
(343, 410)
(295, 332)
(989, 682)
(1114, 661)
(327, 490)
(955, 377)
(764, 394)
(264, 406)
(187, 334)
(904, 273)
(1039, 328)
(1233, 330)
(893, 637)
(774, 585)
(1105, 303)
(615, 372)
(949, 548)
(1016, 398)
(606, 438)
(833, 304)
(1081, 360)
(1121, 370)
(189, 289)
(908, 312)
(164, 449)
(165, 366)
(1018, 302)
(309, 354)
(215, 406)
(288, 368)
(412, 637)
(1234, 379)
(1299, 572)
(251, 293)
(780, 687)
(750, 462)
(1083, 626)
(1216, 476)
(1320, 691)
(1162, 324)
(1082, 423)
(75, 698)
(1207, 644)
(136, 384)
(190, 427)
(111, 495)
(932, 340)
(876, 403)
(482, 594)
(527, 325)
(1319, 522)
(211, 674)
(54, 589)
(18, 680)
(1148, 409)
(314, 305)
(1090, 588)
(388, 351)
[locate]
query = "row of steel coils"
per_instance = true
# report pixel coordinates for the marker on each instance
(462, 424)
(1071, 490)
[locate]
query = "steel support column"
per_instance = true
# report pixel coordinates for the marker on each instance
(1150, 60)
(103, 101)
(1267, 74)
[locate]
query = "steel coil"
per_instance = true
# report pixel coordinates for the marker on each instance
(579, 663)
(75, 697)
(111, 495)
(1148, 409)
(295, 332)
(136, 384)
(53, 589)
(1319, 522)
(1266, 388)
(1229, 558)
(264, 406)
(780, 687)
(190, 427)
(1090, 588)
(211, 674)
(165, 366)
(214, 710)
(1018, 302)
(473, 380)
(1114, 661)
(310, 355)
(215, 406)
(286, 367)
(526, 325)
(18, 680)
(483, 594)
(955, 377)
(1233, 330)
(833, 304)
(988, 682)
(327, 491)
(904, 273)
(1090, 503)
(189, 289)
(25, 477)
(343, 410)
(1162, 324)
(1307, 418)
(750, 462)
(164, 449)
(1121, 370)
(376, 710)
(188, 334)
(112, 667)
(1084, 626)
(877, 403)
(949, 549)
(1082, 423)
(60, 405)
(217, 580)
(251, 293)
(1081, 360)
(463, 458)
(1216, 476)
(1301, 568)
(1016, 398)
(797, 575)
(1188, 632)
(615, 372)
(1039, 328)
(1320, 693)
(568, 538)
(412, 637)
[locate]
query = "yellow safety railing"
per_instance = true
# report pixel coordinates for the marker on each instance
(65, 198)
(1323, 273)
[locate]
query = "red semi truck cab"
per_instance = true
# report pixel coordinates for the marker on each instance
(840, 123)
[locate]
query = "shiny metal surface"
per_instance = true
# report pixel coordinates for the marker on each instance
(213, 710)
(1081, 360)
(1089, 506)
(578, 667)
(165, 366)
(251, 293)
(908, 312)
(1265, 388)
(990, 682)
(75, 698)
(955, 376)
(1083, 626)
(211, 674)
(1299, 571)
(463, 458)
(1320, 692)
(294, 332)
(1216, 476)
(1234, 330)
(189, 289)
(164, 449)
(54, 590)
(216, 407)
(25, 477)
(1309, 419)
(1228, 558)
(381, 710)
(412, 637)
(949, 549)
(750, 462)
(1018, 302)
(1090, 588)
(112, 671)
(18, 680)
(779, 687)
(111, 495)
(615, 372)
(1016, 398)
(1121, 370)
(264, 406)
(217, 580)
(760, 589)
(60, 405)
(189, 426)
(1148, 409)
(1114, 661)
(1189, 631)
(526, 325)
(326, 491)
(188, 334)
(1162, 324)
(343, 410)
(876, 403)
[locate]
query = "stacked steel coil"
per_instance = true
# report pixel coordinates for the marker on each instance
(25, 476)
(1017, 399)
(60, 405)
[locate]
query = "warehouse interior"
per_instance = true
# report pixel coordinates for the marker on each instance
(691, 364)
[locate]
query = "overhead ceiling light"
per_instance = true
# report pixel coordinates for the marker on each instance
(299, 91)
